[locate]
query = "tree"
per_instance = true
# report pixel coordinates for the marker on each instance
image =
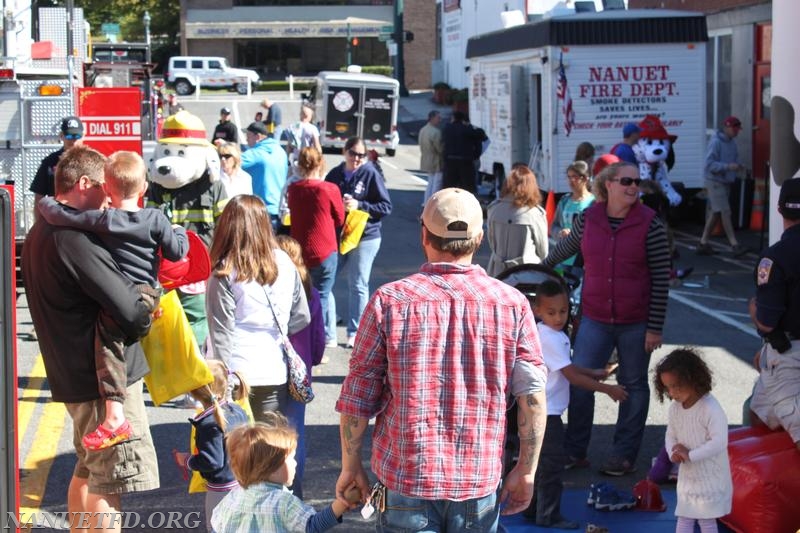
(164, 22)
(164, 25)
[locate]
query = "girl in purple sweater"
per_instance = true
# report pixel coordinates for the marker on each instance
(309, 343)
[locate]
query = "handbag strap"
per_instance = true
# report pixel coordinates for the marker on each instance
(284, 338)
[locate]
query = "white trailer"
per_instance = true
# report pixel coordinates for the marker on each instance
(619, 65)
(348, 104)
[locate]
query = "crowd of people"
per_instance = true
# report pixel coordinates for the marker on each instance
(438, 357)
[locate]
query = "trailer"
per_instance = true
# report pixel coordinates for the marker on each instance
(348, 104)
(610, 68)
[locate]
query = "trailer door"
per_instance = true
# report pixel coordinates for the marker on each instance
(520, 129)
(535, 125)
(342, 112)
(377, 125)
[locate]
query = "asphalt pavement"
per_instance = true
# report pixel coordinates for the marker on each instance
(708, 311)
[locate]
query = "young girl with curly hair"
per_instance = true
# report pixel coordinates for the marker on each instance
(697, 438)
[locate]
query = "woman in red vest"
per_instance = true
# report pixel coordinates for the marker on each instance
(624, 303)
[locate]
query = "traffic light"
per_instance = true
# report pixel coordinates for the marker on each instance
(354, 41)
(408, 36)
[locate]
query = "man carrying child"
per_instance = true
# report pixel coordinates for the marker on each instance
(70, 280)
(134, 236)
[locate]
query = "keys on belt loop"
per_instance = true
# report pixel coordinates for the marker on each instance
(376, 500)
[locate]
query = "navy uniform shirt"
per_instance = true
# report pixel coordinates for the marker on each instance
(778, 284)
(44, 181)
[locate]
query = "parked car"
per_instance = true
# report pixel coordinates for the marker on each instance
(186, 73)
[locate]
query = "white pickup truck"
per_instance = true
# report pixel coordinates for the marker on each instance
(187, 73)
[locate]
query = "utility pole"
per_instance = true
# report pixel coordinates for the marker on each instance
(400, 70)
(146, 19)
(349, 58)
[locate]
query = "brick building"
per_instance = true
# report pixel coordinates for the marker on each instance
(277, 37)
(419, 17)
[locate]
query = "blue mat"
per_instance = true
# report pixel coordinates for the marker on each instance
(573, 507)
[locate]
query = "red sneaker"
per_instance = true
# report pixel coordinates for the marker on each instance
(102, 438)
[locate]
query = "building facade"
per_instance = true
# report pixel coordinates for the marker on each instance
(458, 20)
(738, 67)
(302, 37)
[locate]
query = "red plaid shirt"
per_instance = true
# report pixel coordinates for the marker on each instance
(433, 361)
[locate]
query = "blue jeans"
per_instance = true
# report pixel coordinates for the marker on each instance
(296, 414)
(322, 277)
(405, 514)
(359, 266)
(593, 347)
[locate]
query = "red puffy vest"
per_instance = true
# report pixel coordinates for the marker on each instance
(616, 286)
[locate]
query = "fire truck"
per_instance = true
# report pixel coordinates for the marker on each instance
(38, 80)
(40, 84)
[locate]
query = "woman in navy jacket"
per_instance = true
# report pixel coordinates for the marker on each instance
(362, 188)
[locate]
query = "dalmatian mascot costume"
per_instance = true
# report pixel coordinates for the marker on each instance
(652, 152)
(185, 186)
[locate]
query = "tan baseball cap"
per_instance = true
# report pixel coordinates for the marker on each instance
(453, 214)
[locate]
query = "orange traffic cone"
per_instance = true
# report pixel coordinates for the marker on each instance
(757, 214)
(550, 208)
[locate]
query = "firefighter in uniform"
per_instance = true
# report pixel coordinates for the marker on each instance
(775, 310)
(197, 205)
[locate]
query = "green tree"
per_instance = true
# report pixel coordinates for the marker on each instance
(164, 18)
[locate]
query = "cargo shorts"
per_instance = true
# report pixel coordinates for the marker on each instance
(776, 397)
(719, 196)
(130, 466)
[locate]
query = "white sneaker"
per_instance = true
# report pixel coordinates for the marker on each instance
(333, 343)
(351, 341)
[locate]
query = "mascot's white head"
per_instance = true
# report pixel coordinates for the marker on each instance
(183, 154)
(654, 141)
(653, 154)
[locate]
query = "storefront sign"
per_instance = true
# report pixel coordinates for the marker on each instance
(269, 30)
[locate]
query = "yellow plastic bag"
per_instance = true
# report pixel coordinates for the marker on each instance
(353, 229)
(196, 482)
(176, 365)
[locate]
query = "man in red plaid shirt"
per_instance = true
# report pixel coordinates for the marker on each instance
(436, 357)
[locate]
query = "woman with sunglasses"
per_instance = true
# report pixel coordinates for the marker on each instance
(624, 303)
(233, 177)
(362, 187)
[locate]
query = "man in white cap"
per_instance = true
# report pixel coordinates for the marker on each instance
(436, 356)
(226, 130)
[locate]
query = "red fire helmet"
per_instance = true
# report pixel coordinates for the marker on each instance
(648, 497)
(196, 266)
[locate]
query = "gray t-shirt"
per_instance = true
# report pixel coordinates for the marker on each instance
(132, 238)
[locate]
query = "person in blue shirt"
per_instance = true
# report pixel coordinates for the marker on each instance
(624, 150)
(263, 461)
(721, 168)
(266, 161)
(362, 187)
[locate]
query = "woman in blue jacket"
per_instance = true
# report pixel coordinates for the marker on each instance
(362, 188)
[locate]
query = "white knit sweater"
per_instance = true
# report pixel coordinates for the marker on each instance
(705, 488)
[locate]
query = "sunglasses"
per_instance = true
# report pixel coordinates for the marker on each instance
(357, 155)
(225, 156)
(627, 182)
